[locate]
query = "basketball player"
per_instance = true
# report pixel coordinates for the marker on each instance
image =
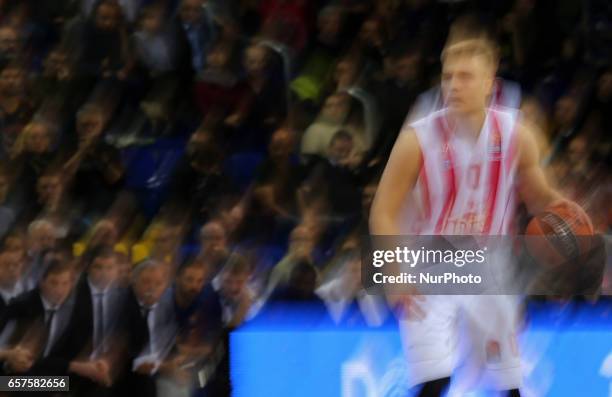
(457, 171)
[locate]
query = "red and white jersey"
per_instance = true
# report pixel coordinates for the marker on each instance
(466, 185)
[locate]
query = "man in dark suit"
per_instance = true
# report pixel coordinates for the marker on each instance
(198, 311)
(149, 329)
(98, 305)
(42, 341)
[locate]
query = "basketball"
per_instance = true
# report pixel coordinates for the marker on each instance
(559, 234)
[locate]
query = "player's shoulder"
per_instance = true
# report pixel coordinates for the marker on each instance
(428, 119)
(420, 130)
(504, 113)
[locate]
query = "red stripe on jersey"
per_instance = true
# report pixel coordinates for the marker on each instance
(425, 189)
(451, 182)
(495, 168)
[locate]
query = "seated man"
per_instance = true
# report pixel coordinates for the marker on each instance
(43, 342)
(149, 328)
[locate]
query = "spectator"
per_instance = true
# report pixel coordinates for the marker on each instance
(319, 61)
(334, 178)
(35, 150)
(199, 29)
(198, 310)
(41, 239)
(286, 22)
(214, 247)
(401, 78)
(15, 242)
(265, 80)
(38, 138)
(347, 73)
(278, 178)
(108, 58)
(98, 303)
(373, 44)
(156, 44)
(95, 167)
(55, 205)
(43, 331)
(220, 93)
(198, 180)
(332, 118)
(302, 244)
(10, 45)
(150, 328)
(11, 266)
(300, 287)
(16, 109)
(236, 297)
(58, 88)
(191, 280)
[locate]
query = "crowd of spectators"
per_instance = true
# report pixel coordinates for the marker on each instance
(170, 167)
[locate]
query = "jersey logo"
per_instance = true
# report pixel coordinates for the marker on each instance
(495, 148)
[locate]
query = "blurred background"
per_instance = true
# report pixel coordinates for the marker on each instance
(213, 156)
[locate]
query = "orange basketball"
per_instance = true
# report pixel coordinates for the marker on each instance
(559, 234)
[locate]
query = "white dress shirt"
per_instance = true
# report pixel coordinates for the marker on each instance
(162, 327)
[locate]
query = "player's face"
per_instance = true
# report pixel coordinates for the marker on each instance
(466, 82)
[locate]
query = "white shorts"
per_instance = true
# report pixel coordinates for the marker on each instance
(471, 337)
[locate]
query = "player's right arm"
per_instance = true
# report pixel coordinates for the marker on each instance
(398, 180)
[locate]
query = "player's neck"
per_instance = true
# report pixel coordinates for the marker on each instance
(469, 124)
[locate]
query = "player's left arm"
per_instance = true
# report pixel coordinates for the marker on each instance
(534, 189)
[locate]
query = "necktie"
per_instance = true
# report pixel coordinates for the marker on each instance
(49, 320)
(99, 321)
(146, 313)
(49, 315)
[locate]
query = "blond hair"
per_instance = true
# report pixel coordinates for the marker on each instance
(468, 37)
